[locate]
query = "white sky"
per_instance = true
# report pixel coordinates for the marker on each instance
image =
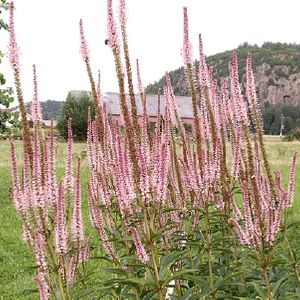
(48, 35)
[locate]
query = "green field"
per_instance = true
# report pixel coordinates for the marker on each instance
(16, 265)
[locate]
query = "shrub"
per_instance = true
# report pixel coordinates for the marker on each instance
(293, 135)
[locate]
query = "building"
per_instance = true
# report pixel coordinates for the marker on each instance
(113, 107)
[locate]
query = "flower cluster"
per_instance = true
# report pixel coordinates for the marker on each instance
(152, 192)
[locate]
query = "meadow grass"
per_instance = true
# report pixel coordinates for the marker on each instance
(16, 265)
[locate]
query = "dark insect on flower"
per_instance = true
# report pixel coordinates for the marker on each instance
(106, 42)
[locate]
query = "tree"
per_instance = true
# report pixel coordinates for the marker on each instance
(76, 109)
(6, 94)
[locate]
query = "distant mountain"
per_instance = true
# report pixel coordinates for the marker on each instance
(50, 109)
(276, 72)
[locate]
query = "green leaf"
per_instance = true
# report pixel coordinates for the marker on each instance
(116, 271)
(180, 275)
(149, 295)
(276, 286)
(172, 258)
(224, 281)
(104, 290)
(258, 289)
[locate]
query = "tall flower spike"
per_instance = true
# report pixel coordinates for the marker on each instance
(35, 104)
(203, 69)
(140, 84)
(291, 186)
(15, 178)
(37, 172)
(112, 31)
(60, 224)
(98, 223)
(42, 266)
(141, 252)
(69, 180)
(77, 222)
(187, 47)
(122, 12)
(83, 44)
(51, 166)
(14, 57)
(99, 92)
(13, 49)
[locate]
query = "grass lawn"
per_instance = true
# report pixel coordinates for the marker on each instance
(16, 265)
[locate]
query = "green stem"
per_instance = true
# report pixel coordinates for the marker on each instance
(267, 282)
(56, 267)
(209, 253)
(155, 265)
(265, 259)
(153, 250)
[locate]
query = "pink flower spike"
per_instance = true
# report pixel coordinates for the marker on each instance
(83, 43)
(99, 92)
(71, 270)
(85, 252)
(140, 85)
(42, 266)
(35, 104)
(244, 239)
(112, 31)
(51, 167)
(37, 173)
(13, 49)
(291, 186)
(43, 287)
(203, 69)
(98, 223)
(187, 47)
(60, 224)
(141, 252)
(69, 180)
(77, 222)
(122, 12)
(15, 178)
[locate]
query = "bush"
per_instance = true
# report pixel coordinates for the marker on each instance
(293, 135)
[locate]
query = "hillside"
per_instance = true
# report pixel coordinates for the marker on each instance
(276, 68)
(50, 109)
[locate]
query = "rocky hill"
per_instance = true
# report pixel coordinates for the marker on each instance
(276, 68)
(50, 109)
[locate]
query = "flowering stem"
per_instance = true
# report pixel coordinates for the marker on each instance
(153, 250)
(128, 125)
(26, 132)
(209, 253)
(130, 84)
(155, 265)
(98, 108)
(56, 267)
(265, 268)
(190, 76)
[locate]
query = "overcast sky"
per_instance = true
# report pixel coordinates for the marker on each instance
(48, 35)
